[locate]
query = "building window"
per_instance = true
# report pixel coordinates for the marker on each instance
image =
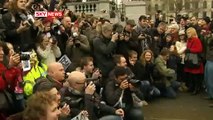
(204, 4)
(187, 5)
(156, 7)
(204, 14)
(212, 3)
(195, 14)
(196, 4)
(179, 5)
(149, 8)
(171, 7)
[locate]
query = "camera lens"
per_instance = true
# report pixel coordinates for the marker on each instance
(77, 44)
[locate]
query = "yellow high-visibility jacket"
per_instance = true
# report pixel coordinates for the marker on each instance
(29, 79)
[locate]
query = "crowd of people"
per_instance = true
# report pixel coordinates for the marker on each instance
(115, 69)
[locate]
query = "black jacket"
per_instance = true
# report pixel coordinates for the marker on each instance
(113, 93)
(80, 101)
(138, 70)
(24, 40)
(103, 51)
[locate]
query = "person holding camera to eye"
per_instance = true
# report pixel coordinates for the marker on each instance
(81, 95)
(126, 94)
(87, 67)
(141, 40)
(77, 47)
(92, 74)
(124, 44)
(47, 48)
(10, 79)
(104, 48)
(20, 28)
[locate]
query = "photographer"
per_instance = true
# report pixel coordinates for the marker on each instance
(11, 76)
(104, 48)
(125, 36)
(20, 29)
(47, 49)
(92, 74)
(157, 36)
(140, 39)
(87, 67)
(123, 93)
(45, 3)
(80, 95)
(77, 47)
(127, 43)
(3, 9)
(65, 29)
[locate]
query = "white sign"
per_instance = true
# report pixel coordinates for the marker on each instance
(65, 61)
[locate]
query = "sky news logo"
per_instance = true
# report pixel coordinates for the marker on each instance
(48, 14)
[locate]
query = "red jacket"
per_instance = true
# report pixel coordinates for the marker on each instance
(195, 46)
(12, 76)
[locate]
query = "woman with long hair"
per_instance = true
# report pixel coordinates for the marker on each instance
(147, 60)
(48, 49)
(20, 27)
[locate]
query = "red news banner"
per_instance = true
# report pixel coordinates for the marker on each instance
(48, 14)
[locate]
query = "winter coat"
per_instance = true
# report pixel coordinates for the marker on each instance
(195, 46)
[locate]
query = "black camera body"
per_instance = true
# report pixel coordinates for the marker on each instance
(55, 28)
(54, 40)
(24, 57)
(134, 82)
(76, 40)
(3, 10)
(27, 18)
(127, 34)
(85, 25)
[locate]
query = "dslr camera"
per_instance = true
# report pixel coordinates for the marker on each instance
(117, 28)
(29, 20)
(3, 10)
(55, 28)
(24, 56)
(76, 39)
(134, 82)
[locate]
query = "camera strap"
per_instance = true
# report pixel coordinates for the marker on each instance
(119, 102)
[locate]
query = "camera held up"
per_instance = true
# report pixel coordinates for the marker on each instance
(76, 39)
(134, 82)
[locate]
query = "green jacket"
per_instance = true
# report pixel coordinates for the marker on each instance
(29, 79)
(167, 74)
